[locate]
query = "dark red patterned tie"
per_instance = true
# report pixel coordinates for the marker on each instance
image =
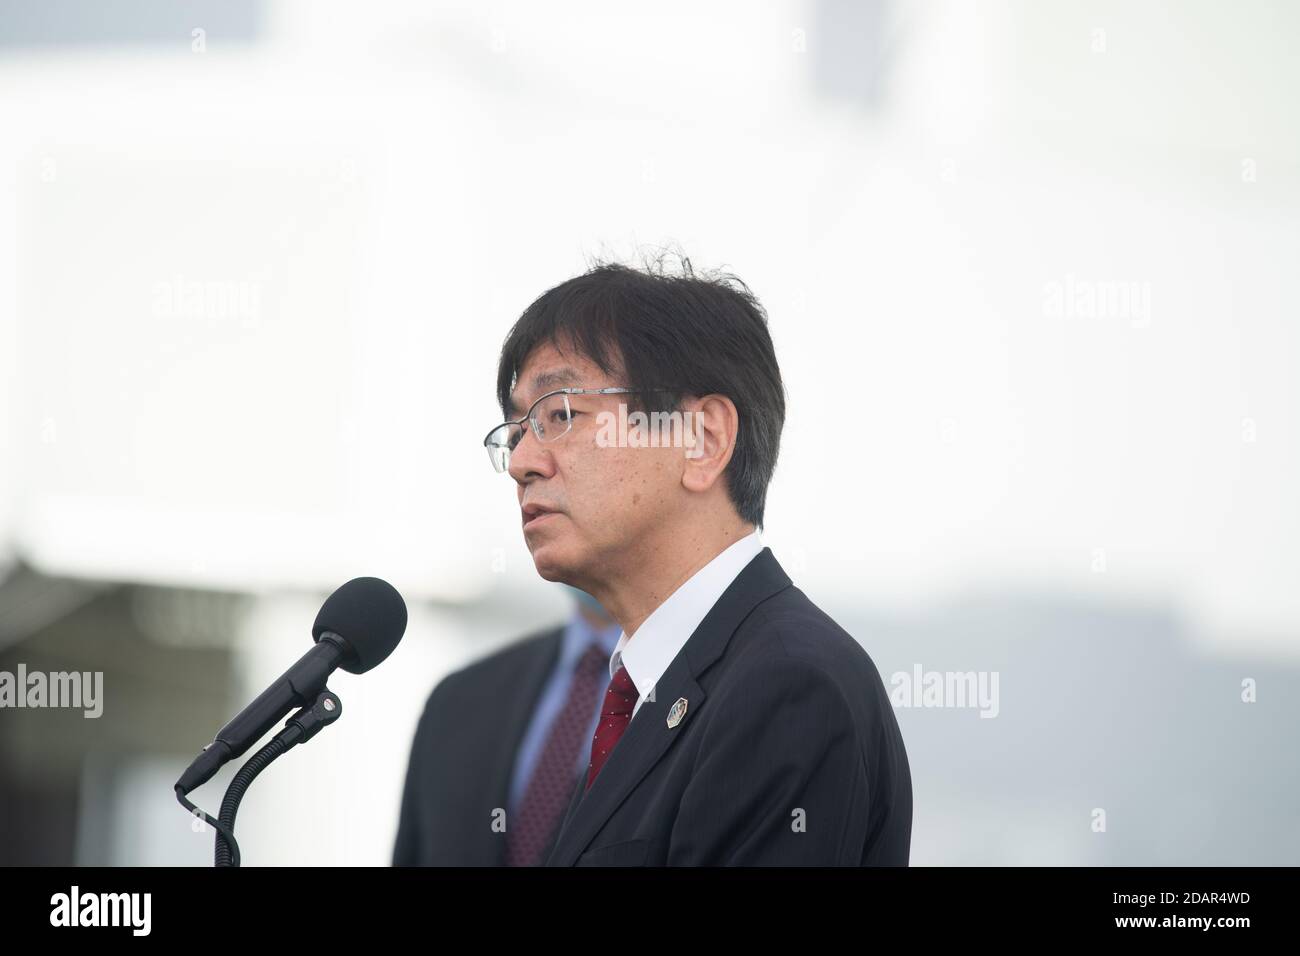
(620, 699)
(551, 785)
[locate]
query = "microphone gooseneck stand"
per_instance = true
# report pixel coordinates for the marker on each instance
(301, 727)
(358, 626)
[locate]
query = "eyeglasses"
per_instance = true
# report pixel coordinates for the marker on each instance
(550, 417)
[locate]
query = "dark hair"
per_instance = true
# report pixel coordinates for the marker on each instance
(675, 335)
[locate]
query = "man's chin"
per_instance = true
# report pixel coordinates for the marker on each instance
(552, 564)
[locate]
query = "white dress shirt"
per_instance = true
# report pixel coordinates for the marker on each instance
(665, 632)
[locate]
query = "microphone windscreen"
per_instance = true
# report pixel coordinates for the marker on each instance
(369, 615)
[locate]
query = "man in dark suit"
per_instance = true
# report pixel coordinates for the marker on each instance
(500, 745)
(741, 725)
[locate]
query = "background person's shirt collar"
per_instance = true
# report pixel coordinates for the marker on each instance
(579, 634)
(647, 654)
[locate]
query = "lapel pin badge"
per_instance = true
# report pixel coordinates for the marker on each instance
(677, 712)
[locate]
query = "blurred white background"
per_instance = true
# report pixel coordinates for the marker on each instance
(1025, 265)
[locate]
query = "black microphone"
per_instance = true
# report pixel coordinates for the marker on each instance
(357, 627)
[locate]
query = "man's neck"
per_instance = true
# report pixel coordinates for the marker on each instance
(632, 601)
(594, 618)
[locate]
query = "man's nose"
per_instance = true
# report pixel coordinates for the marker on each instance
(530, 459)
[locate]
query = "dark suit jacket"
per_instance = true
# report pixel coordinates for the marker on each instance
(788, 752)
(464, 753)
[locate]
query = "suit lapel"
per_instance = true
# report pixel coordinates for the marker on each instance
(543, 657)
(648, 736)
(574, 800)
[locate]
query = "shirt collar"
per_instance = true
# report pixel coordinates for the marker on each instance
(578, 636)
(663, 634)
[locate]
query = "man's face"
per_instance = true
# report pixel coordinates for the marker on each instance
(599, 503)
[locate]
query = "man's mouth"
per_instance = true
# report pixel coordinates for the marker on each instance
(534, 514)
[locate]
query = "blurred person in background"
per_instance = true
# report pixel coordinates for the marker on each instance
(501, 745)
(741, 725)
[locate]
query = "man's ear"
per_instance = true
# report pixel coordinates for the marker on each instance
(709, 426)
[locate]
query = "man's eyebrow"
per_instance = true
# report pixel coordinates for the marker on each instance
(545, 382)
